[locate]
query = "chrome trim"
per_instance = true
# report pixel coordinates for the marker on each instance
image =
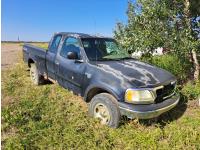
(148, 114)
(173, 93)
(157, 88)
(173, 82)
(152, 91)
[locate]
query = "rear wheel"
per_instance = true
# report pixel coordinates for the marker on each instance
(104, 107)
(36, 78)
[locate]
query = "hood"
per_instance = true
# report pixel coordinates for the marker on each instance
(138, 73)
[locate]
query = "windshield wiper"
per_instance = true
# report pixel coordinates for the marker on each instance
(126, 58)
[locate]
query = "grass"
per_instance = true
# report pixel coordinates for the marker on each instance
(50, 117)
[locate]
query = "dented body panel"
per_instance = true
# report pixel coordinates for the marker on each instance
(113, 77)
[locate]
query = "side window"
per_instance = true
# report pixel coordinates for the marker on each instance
(70, 45)
(54, 45)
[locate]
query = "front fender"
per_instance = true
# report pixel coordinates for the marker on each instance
(105, 87)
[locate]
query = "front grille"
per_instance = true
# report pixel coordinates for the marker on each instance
(167, 90)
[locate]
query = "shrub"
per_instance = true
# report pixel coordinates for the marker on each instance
(191, 90)
(173, 64)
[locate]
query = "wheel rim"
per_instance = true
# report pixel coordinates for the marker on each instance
(101, 112)
(33, 74)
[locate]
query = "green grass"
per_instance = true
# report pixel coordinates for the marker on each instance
(48, 116)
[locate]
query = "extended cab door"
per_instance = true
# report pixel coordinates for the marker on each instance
(51, 55)
(70, 73)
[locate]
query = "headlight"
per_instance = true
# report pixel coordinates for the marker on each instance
(139, 96)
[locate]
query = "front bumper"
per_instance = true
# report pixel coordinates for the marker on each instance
(150, 110)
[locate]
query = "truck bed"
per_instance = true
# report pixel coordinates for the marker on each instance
(36, 54)
(34, 50)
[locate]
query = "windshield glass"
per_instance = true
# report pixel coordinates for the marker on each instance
(103, 49)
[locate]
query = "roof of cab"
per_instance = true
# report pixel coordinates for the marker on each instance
(80, 35)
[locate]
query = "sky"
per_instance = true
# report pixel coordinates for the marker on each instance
(37, 20)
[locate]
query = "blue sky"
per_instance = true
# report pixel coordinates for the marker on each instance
(37, 20)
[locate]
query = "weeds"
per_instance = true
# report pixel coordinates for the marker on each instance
(191, 90)
(50, 117)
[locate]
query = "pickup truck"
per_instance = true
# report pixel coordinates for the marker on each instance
(109, 80)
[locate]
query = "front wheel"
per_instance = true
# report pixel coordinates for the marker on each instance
(36, 78)
(104, 107)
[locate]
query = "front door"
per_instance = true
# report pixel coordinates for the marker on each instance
(70, 73)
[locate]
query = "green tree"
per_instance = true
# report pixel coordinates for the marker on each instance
(171, 24)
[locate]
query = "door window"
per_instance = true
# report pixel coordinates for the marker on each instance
(55, 43)
(70, 45)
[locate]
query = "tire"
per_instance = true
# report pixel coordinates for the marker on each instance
(104, 107)
(36, 78)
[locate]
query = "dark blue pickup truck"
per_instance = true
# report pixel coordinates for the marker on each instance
(113, 83)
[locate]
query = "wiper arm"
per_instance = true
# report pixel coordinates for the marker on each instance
(125, 58)
(108, 59)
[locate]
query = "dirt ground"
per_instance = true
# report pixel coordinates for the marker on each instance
(10, 53)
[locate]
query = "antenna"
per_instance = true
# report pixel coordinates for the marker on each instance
(95, 26)
(96, 55)
(95, 41)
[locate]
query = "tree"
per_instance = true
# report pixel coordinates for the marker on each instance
(171, 24)
(192, 12)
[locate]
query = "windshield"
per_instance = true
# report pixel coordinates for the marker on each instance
(103, 49)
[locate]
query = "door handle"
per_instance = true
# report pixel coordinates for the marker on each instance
(56, 62)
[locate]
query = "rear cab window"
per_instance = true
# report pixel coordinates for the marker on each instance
(55, 43)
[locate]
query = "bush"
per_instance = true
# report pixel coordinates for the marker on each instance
(172, 64)
(191, 90)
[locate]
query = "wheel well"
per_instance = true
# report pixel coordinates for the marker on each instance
(30, 61)
(95, 91)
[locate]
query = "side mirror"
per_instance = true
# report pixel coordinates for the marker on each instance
(72, 55)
